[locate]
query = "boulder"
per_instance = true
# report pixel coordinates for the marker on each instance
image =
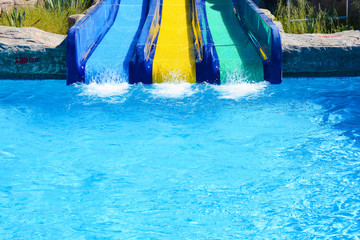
(30, 53)
(6, 5)
(94, 3)
(74, 19)
(268, 14)
(23, 3)
(309, 55)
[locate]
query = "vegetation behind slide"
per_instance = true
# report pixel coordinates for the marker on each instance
(319, 14)
(52, 15)
(49, 15)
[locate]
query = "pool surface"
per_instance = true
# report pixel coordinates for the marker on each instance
(183, 161)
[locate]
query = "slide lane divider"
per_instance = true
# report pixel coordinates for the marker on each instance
(207, 60)
(141, 64)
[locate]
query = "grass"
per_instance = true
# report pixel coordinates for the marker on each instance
(51, 16)
(320, 20)
(15, 18)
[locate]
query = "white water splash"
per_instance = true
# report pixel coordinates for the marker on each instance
(107, 84)
(176, 86)
(172, 90)
(104, 90)
(240, 90)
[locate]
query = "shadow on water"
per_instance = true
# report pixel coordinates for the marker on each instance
(339, 99)
(342, 104)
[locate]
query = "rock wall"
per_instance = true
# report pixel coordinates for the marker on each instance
(308, 55)
(30, 53)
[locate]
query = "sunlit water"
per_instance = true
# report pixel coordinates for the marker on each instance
(167, 161)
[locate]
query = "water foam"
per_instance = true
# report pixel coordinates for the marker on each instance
(109, 85)
(172, 90)
(239, 84)
(112, 85)
(239, 90)
(105, 89)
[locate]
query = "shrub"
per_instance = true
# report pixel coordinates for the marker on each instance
(317, 20)
(15, 18)
(356, 3)
(63, 5)
(50, 16)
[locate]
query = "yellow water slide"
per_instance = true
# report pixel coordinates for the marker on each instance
(174, 57)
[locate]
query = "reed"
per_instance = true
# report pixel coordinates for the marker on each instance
(15, 18)
(318, 20)
(48, 15)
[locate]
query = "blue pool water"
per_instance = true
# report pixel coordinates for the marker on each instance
(168, 161)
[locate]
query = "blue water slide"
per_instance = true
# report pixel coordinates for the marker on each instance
(141, 63)
(207, 60)
(265, 35)
(102, 43)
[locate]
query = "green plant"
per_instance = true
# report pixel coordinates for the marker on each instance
(63, 5)
(305, 18)
(16, 17)
(50, 15)
(356, 3)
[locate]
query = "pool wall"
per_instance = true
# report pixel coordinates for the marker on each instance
(30, 53)
(312, 55)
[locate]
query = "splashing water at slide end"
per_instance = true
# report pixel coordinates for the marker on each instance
(118, 91)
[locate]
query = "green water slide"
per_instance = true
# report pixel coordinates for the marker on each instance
(238, 57)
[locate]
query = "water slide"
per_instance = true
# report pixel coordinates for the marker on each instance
(264, 36)
(153, 41)
(102, 43)
(215, 41)
(111, 57)
(237, 55)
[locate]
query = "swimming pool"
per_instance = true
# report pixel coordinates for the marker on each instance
(180, 161)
